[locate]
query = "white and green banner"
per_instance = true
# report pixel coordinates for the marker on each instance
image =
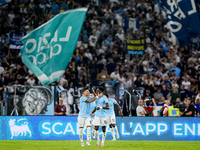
(47, 50)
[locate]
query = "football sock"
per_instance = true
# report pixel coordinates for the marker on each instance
(112, 132)
(88, 134)
(103, 137)
(93, 131)
(81, 134)
(116, 130)
(97, 133)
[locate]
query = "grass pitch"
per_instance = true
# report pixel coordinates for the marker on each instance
(109, 145)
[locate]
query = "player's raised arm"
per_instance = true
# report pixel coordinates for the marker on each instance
(91, 100)
(94, 92)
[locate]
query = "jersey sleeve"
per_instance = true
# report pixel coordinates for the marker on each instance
(114, 101)
(106, 100)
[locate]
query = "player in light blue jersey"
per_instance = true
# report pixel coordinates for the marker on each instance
(89, 121)
(84, 114)
(100, 115)
(111, 116)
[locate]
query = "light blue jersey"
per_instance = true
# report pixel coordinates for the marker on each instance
(84, 107)
(111, 103)
(92, 106)
(101, 102)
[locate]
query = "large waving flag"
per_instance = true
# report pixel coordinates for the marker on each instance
(48, 49)
(182, 19)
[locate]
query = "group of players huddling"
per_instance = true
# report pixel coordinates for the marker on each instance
(97, 110)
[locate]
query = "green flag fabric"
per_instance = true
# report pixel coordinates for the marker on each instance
(47, 50)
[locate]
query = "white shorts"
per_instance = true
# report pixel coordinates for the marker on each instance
(111, 119)
(81, 121)
(89, 122)
(98, 121)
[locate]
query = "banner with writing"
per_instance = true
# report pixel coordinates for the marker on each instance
(182, 19)
(15, 42)
(130, 128)
(135, 47)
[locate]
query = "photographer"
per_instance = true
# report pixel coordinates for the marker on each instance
(181, 105)
(190, 110)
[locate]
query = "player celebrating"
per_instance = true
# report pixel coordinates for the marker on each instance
(84, 114)
(111, 116)
(100, 115)
(89, 120)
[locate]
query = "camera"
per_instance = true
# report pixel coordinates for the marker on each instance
(182, 106)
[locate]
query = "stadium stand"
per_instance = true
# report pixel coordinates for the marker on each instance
(164, 71)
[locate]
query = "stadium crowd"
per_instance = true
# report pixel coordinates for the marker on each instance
(163, 72)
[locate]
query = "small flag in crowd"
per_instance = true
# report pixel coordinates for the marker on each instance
(182, 19)
(47, 50)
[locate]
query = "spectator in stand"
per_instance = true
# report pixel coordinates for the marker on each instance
(165, 108)
(183, 93)
(158, 95)
(190, 111)
(103, 76)
(111, 94)
(147, 94)
(174, 84)
(191, 92)
(138, 82)
(115, 75)
(93, 70)
(110, 66)
(55, 8)
(174, 94)
(88, 55)
(1, 69)
(60, 109)
(127, 82)
(63, 81)
(140, 109)
(19, 70)
(149, 109)
(196, 112)
(164, 91)
(197, 102)
(31, 80)
(186, 83)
